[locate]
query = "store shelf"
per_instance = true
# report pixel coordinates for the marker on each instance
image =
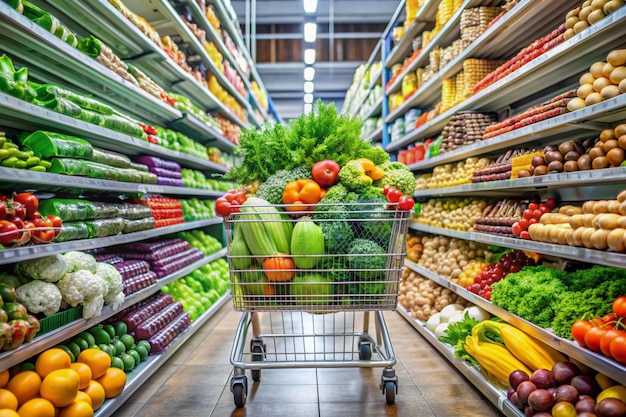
(375, 135)
(496, 396)
(103, 20)
(22, 115)
(374, 109)
(578, 124)
(563, 251)
(43, 342)
(12, 255)
(515, 29)
(578, 180)
(140, 375)
(49, 181)
(356, 109)
(571, 57)
(203, 132)
(425, 17)
(598, 362)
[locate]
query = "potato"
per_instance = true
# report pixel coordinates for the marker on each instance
(593, 98)
(622, 87)
(584, 13)
(609, 91)
(621, 222)
(586, 237)
(553, 233)
(577, 220)
(606, 221)
(571, 21)
(569, 237)
(536, 231)
(613, 206)
(596, 69)
(588, 220)
(580, 26)
(621, 197)
(615, 240)
(599, 239)
(577, 236)
(554, 218)
(595, 16)
(569, 33)
(561, 238)
(607, 69)
(617, 57)
(589, 206)
(573, 12)
(601, 206)
(600, 83)
(612, 6)
(617, 75)
(584, 90)
(622, 208)
(577, 103)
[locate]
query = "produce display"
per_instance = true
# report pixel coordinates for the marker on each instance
(507, 165)
(166, 211)
(424, 298)
(510, 262)
(451, 213)
(167, 172)
(18, 324)
(196, 209)
(499, 217)
(163, 256)
(23, 221)
(465, 128)
(414, 247)
(204, 242)
(450, 175)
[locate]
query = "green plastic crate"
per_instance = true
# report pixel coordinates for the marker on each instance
(60, 319)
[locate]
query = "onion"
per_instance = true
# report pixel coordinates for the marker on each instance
(433, 321)
(440, 330)
(477, 313)
(448, 310)
(456, 317)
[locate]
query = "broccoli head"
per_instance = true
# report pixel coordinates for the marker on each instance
(375, 222)
(397, 175)
(368, 259)
(337, 235)
(353, 176)
(331, 206)
(272, 189)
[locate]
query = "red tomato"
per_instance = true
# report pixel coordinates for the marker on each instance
(386, 189)
(3, 210)
(579, 329)
(619, 306)
(30, 202)
(592, 338)
(239, 197)
(551, 203)
(8, 232)
(607, 338)
(57, 223)
(618, 349)
(523, 222)
(393, 195)
(222, 207)
(406, 202)
(17, 210)
(325, 173)
(527, 214)
(517, 229)
(533, 206)
(525, 235)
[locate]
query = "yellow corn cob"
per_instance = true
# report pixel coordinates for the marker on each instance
(534, 353)
(494, 358)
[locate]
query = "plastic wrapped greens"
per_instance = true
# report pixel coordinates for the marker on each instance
(105, 227)
(50, 144)
(73, 231)
(68, 209)
(110, 158)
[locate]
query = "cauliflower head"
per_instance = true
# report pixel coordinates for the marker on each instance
(399, 176)
(113, 278)
(117, 301)
(39, 297)
(80, 260)
(93, 308)
(49, 268)
(80, 286)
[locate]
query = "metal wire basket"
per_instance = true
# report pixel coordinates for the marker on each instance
(360, 268)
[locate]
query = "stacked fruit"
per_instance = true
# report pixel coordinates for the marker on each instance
(470, 272)
(604, 80)
(511, 262)
(12, 157)
(195, 209)
(57, 386)
(531, 215)
(17, 326)
(565, 390)
(589, 14)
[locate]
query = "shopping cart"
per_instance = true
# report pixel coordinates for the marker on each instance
(312, 320)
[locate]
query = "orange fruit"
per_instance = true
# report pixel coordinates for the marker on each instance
(98, 360)
(37, 407)
(96, 393)
(113, 382)
(77, 409)
(60, 387)
(82, 396)
(8, 400)
(51, 360)
(4, 378)
(84, 372)
(5, 412)
(25, 386)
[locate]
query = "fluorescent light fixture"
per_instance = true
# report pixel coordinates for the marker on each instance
(308, 98)
(309, 87)
(309, 56)
(310, 6)
(310, 32)
(309, 73)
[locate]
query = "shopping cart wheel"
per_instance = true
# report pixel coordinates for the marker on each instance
(365, 350)
(257, 347)
(239, 393)
(389, 385)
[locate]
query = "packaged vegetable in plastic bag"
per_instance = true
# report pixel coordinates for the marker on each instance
(51, 144)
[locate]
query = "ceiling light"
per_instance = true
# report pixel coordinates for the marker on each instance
(308, 98)
(308, 108)
(310, 32)
(309, 73)
(309, 56)
(309, 87)
(310, 6)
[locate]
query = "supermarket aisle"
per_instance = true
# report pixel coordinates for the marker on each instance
(195, 383)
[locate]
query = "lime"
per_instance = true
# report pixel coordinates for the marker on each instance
(129, 362)
(109, 329)
(101, 335)
(145, 344)
(136, 356)
(88, 337)
(119, 347)
(117, 363)
(82, 343)
(128, 340)
(73, 346)
(94, 347)
(121, 328)
(69, 352)
(26, 366)
(106, 348)
(142, 350)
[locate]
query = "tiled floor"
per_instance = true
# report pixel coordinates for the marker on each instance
(195, 382)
